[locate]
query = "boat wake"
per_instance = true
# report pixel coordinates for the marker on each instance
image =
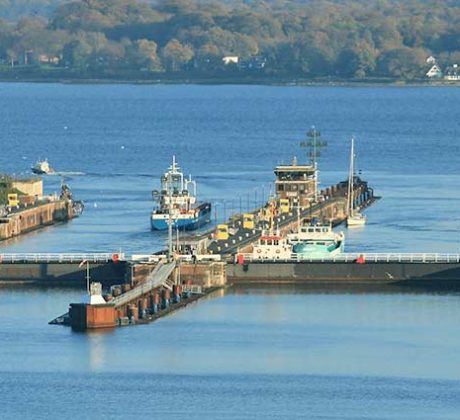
(66, 173)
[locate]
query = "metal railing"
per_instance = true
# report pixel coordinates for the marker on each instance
(61, 258)
(363, 258)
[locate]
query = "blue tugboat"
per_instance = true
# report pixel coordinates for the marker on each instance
(177, 202)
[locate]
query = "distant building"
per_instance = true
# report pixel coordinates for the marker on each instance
(230, 59)
(30, 186)
(434, 73)
(452, 73)
(47, 59)
(431, 60)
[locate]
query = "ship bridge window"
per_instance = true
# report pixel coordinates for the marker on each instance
(269, 242)
(276, 242)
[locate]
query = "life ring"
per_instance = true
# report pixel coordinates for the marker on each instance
(277, 251)
(259, 251)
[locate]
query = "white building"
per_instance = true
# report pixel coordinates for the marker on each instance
(230, 59)
(434, 73)
(452, 73)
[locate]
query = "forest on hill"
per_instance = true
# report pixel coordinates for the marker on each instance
(276, 40)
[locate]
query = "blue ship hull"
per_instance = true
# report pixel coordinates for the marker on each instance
(203, 217)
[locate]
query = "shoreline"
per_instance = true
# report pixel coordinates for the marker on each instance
(233, 82)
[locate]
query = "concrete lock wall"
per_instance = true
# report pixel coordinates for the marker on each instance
(433, 273)
(205, 274)
(106, 273)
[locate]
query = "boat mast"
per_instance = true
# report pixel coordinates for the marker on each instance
(170, 227)
(350, 204)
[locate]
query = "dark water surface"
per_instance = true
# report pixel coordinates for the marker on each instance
(247, 353)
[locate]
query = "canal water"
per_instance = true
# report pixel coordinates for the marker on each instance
(250, 353)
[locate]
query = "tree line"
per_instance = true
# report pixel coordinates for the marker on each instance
(312, 39)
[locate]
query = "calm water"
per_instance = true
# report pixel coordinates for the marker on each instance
(248, 353)
(230, 138)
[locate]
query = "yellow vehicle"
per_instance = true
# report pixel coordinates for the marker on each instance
(284, 205)
(248, 221)
(13, 200)
(222, 232)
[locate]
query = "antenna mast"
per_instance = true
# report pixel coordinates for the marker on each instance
(314, 143)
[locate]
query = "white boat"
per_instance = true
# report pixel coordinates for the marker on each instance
(42, 167)
(271, 246)
(355, 218)
(310, 241)
(316, 241)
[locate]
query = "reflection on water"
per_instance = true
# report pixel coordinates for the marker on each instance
(345, 331)
(241, 347)
(97, 348)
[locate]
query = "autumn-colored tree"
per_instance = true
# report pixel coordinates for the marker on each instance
(176, 55)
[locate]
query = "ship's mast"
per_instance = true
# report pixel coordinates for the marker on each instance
(170, 227)
(350, 178)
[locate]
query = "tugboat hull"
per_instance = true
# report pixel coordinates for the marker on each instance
(182, 222)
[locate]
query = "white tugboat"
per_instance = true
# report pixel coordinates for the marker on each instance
(42, 167)
(271, 246)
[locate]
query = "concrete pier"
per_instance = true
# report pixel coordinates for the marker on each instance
(161, 289)
(36, 217)
(332, 205)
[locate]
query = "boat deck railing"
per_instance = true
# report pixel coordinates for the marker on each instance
(61, 258)
(362, 258)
